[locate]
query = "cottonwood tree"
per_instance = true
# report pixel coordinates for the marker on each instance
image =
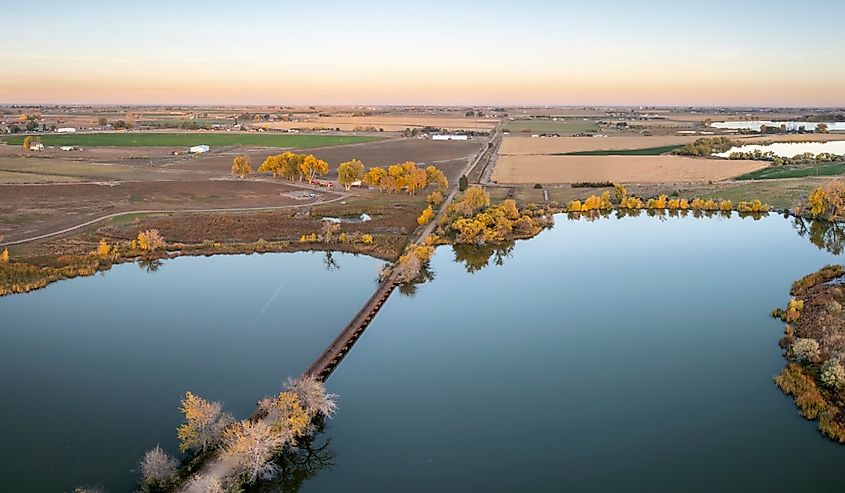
(436, 177)
(204, 423)
(241, 167)
(150, 240)
(311, 167)
(253, 444)
(473, 200)
(157, 468)
(349, 172)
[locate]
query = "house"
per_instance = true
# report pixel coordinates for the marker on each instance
(449, 137)
(36, 146)
(66, 130)
(199, 149)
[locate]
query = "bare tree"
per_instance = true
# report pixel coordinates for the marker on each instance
(157, 468)
(312, 395)
(329, 229)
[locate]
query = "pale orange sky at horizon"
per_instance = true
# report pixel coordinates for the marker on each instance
(418, 55)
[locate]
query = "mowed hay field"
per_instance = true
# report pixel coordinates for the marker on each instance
(389, 123)
(527, 169)
(527, 146)
(187, 139)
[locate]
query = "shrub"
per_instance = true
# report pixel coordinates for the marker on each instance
(157, 468)
(150, 240)
(833, 374)
(804, 350)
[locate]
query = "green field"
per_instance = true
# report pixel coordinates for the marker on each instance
(142, 139)
(647, 151)
(569, 126)
(831, 169)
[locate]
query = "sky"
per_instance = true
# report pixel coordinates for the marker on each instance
(528, 52)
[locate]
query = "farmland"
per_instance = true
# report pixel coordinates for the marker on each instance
(567, 125)
(621, 169)
(137, 139)
(518, 145)
(386, 122)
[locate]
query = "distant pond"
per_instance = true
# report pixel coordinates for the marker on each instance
(790, 125)
(791, 149)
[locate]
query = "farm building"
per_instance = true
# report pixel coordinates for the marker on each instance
(199, 149)
(66, 130)
(68, 148)
(36, 146)
(449, 137)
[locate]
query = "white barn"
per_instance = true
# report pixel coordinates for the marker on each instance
(66, 130)
(449, 137)
(199, 149)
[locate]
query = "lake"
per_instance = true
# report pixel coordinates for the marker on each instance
(790, 149)
(632, 354)
(94, 368)
(790, 125)
(614, 355)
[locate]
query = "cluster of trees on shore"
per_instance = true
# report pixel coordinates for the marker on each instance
(21, 277)
(825, 202)
(473, 220)
(815, 374)
(799, 159)
(252, 445)
(622, 200)
(706, 146)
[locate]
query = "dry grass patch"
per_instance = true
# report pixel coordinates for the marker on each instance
(621, 169)
(513, 145)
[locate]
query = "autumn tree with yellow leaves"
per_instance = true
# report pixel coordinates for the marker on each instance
(311, 167)
(426, 216)
(241, 167)
(150, 240)
(4, 257)
(350, 172)
(204, 424)
(103, 248)
(405, 177)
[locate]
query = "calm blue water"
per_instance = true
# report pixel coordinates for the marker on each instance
(93, 368)
(615, 355)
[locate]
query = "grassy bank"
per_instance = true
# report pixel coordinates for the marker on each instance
(187, 139)
(831, 169)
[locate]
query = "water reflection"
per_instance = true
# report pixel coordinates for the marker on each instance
(824, 234)
(476, 257)
(298, 465)
(410, 288)
(150, 265)
(329, 262)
